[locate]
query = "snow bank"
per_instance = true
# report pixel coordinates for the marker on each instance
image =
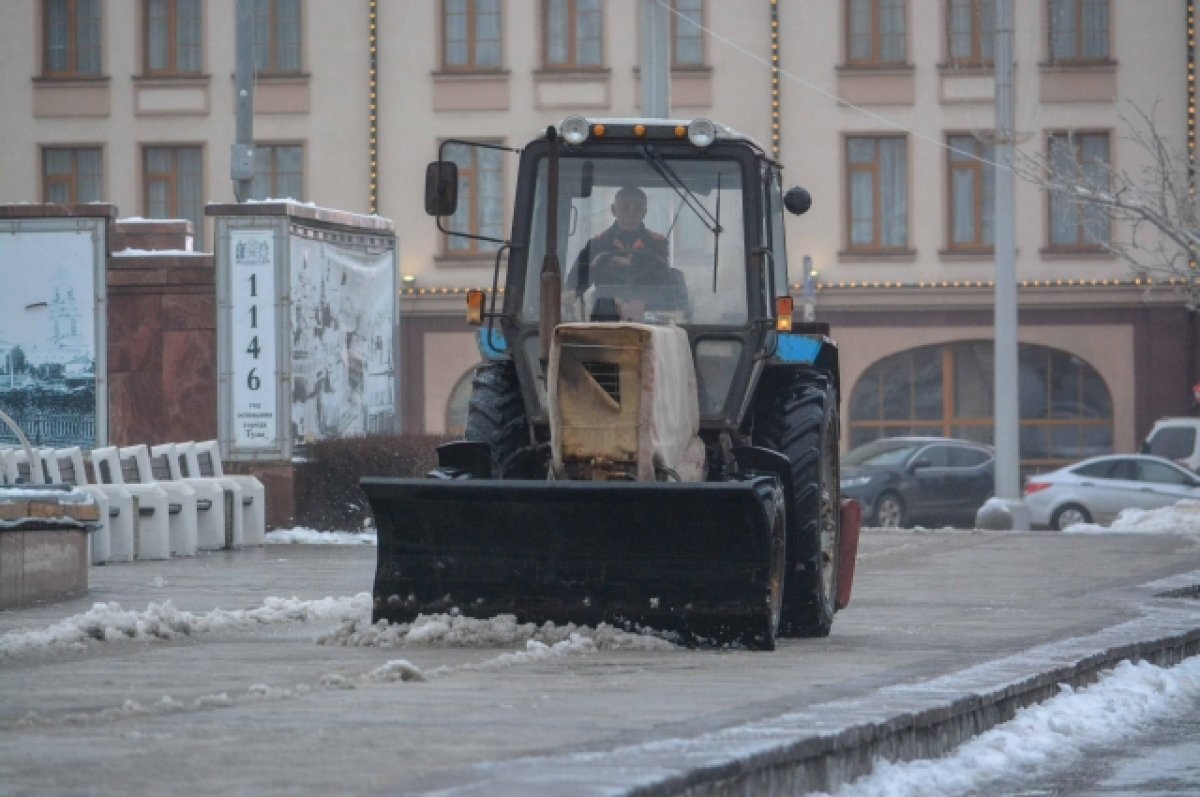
(1045, 739)
(446, 630)
(108, 622)
(306, 536)
(1182, 518)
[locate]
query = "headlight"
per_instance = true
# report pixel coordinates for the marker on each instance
(857, 481)
(702, 132)
(575, 130)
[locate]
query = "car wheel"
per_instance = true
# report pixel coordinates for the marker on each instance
(1069, 515)
(889, 512)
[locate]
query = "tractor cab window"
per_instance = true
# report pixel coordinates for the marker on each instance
(653, 239)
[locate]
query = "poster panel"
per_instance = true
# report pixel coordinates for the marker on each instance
(48, 323)
(252, 336)
(343, 374)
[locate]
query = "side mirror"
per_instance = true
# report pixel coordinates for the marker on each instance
(441, 188)
(1144, 448)
(920, 462)
(797, 200)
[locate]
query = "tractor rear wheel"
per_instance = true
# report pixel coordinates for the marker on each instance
(800, 420)
(496, 414)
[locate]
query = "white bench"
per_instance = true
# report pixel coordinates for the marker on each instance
(254, 495)
(182, 511)
(113, 541)
(218, 502)
(152, 532)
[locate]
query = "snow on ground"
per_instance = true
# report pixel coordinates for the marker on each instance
(307, 536)
(1182, 518)
(1045, 739)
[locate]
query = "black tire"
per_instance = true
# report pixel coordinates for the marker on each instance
(496, 414)
(1068, 515)
(762, 635)
(889, 511)
(799, 418)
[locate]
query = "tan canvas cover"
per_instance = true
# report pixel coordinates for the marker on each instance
(623, 398)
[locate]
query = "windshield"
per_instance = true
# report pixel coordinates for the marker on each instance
(644, 237)
(880, 454)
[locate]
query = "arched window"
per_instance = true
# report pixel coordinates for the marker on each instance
(946, 390)
(456, 405)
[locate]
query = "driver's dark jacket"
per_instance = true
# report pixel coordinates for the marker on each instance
(647, 249)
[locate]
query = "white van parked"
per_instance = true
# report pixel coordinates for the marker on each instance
(1177, 439)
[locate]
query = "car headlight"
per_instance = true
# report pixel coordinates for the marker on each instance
(857, 481)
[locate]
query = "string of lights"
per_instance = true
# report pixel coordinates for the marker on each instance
(775, 110)
(373, 103)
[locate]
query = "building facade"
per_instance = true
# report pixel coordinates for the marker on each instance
(881, 108)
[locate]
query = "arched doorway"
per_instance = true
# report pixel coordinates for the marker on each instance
(946, 390)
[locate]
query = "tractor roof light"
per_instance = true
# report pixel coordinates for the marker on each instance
(575, 130)
(702, 132)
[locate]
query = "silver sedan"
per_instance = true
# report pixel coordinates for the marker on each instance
(1097, 489)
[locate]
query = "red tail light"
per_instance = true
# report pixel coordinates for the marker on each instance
(1035, 487)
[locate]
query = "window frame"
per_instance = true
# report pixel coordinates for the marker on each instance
(273, 148)
(472, 66)
(980, 198)
(478, 245)
(1080, 245)
(571, 64)
(875, 60)
(72, 180)
(173, 194)
(172, 69)
(976, 59)
(272, 69)
(675, 29)
(72, 72)
(1078, 59)
(876, 170)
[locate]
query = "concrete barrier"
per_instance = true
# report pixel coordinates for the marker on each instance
(44, 545)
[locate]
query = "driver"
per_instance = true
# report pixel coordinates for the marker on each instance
(627, 253)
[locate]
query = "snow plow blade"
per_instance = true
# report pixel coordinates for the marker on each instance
(692, 559)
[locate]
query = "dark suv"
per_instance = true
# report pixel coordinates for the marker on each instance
(928, 481)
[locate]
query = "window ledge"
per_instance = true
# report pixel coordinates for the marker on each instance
(469, 74)
(966, 255)
(880, 255)
(181, 79)
(875, 69)
(573, 73)
(464, 260)
(1104, 65)
(71, 80)
(1080, 253)
(966, 70)
(684, 70)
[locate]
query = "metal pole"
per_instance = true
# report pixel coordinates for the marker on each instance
(1007, 421)
(655, 60)
(241, 169)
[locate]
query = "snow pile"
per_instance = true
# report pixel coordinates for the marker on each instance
(307, 536)
(452, 630)
(1045, 739)
(1182, 518)
(108, 622)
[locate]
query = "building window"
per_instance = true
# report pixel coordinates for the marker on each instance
(71, 38)
(470, 35)
(173, 185)
(480, 199)
(972, 193)
(687, 33)
(971, 32)
(172, 37)
(1078, 30)
(876, 33)
(877, 176)
(1079, 159)
(574, 33)
(946, 390)
(71, 175)
(278, 172)
(277, 36)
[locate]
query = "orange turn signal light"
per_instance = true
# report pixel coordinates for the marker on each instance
(475, 304)
(599, 130)
(783, 313)
(639, 130)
